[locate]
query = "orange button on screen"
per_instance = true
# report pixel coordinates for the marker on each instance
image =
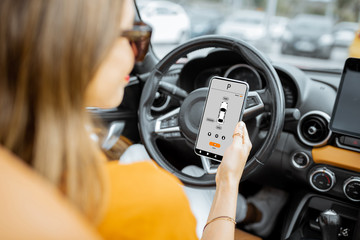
(214, 144)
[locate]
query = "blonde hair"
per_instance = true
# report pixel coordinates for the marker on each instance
(49, 52)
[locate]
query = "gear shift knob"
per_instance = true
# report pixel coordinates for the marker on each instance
(329, 222)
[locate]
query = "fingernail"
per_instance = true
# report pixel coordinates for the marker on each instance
(127, 78)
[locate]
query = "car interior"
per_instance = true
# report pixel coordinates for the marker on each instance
(289, 113)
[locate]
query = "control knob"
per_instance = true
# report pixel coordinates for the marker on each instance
(352, 188)
(322, 179)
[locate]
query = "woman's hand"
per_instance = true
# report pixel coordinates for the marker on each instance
(227, 182)
(233, 162)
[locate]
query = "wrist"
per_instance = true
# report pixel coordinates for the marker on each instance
(227, 182)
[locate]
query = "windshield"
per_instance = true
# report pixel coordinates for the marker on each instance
(306, 33)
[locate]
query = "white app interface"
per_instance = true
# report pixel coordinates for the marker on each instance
(222, 112)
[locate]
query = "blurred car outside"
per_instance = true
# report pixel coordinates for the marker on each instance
(204, 21)
(344, 33)
(277, 27)
(317, 49)
(354, 49)
(309, 35)
(247, 25)
(169, 21)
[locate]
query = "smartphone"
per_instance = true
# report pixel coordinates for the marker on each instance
(345, 117)
(224, 107)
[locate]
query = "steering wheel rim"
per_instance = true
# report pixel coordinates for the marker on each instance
(254, 58)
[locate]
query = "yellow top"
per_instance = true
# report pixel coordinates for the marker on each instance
(146, 202)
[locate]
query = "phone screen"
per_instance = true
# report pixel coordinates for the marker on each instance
(223, 110)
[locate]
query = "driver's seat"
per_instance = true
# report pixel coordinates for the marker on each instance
(32, 209)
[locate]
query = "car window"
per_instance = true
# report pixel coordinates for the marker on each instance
(306, 33)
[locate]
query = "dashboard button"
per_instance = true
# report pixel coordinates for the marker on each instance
(175, 134)
(250, 102)
(164, 124)
(353, 142)
(300, 160)
(173, 122)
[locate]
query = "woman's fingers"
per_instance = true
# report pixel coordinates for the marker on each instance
(241, 138)
(240, 133)
(246, 136)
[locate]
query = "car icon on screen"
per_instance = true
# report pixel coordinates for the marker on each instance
(222, 112)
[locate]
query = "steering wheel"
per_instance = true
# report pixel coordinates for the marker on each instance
(183, 122)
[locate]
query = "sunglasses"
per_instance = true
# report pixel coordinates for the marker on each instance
(139, 39)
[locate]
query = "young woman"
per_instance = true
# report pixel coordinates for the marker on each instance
(56, 58)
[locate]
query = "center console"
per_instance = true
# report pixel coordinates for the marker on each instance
(305, 221)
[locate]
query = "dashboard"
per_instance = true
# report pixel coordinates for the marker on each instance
(236, 68)
(307, 153)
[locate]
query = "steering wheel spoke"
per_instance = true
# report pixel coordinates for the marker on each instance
(209, 166)
(254, 105)
(167, 126)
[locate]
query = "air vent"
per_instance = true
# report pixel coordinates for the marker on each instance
(313, 128)
(161, 102)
